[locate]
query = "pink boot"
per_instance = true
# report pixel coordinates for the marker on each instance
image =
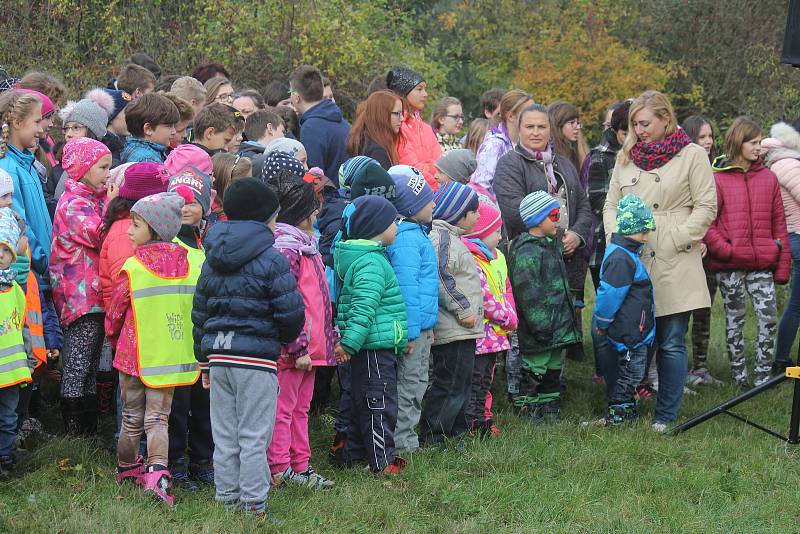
(131, 473)
(158, 480)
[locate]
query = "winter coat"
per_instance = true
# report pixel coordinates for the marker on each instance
(625, 306)
(28, 202)
(370, 311)
(114, 252)
(329, 220)
(306, 266)
(75, 252)
(246, 304)
(414, 262)
(783, 158)
(116, 145)
(417, 146)
(683, 198)
(162, 258)
(255, 153)
(375, 151)
(602, 159)
(519, 174)
(495, 145)
(749, 233)
(541, 291)
(323, 132)
(139, 150)
(499, 310)
(460, 293)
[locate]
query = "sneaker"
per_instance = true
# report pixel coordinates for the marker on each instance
(157, 480)
(278, 479)
(646, 391)
(547, 413)
(131, 473)
(701, 377)
(494, 430)
(659, 427)
(308, 478)
(182, 479)
(336, 450)
(396, 467)
(202, 473)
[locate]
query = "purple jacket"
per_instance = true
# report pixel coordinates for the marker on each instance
(494, 146)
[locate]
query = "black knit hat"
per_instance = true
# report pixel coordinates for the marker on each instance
(250, 199)
(402, 80)
(367, 217)
(297, 198)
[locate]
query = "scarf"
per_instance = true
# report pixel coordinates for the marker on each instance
(290, 237)
(7, 277)
(547, 158)
(649, 156)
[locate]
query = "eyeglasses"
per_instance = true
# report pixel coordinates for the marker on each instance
(398, 114)
(225, 97)
(554, 215)
(455, 117)
(75, 128)
(575, 123)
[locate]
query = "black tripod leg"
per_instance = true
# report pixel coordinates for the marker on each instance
(794, 424)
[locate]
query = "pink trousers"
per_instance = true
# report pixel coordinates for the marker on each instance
(290, 446)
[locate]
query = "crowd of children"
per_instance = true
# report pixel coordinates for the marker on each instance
(230, 280)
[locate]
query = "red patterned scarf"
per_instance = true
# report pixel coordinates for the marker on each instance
(649, 156)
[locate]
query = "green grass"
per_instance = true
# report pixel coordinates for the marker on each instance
(720, 477)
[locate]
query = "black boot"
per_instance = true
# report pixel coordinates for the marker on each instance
(90, 416)
(72, 414)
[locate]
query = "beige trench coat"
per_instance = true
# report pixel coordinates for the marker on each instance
(683, 197)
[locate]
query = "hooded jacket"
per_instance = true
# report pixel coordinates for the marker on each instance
(417, 146)
(749, 233)
(323, 132)
(255, 153)
(246, 304)
(783, 158)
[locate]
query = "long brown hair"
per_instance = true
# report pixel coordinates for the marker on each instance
(227, 168)
(560, 114)
(374, 121)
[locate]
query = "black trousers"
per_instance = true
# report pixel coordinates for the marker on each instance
(190, 423)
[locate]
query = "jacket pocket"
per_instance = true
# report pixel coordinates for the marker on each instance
(375, 395)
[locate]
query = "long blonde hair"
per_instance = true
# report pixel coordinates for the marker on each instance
(661, 107)
(14, 107)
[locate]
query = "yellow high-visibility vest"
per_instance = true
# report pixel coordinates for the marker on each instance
(13, 358)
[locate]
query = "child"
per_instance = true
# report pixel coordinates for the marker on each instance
(188, 154)
(15, 372)
(371, 317)
(136, 80)
(544, 302)
(460, 320)
(75, 275)
(290, 449)
(499, 315)
(246, 306)
(84, 118)
(260, 129)
(215, 127)
(747, 246)
(159, 355)
(114, 103)
(190, 90)
(414, 262)
(185, 114)
(458, 165)
(227, 168)
(625, 309)
(151, 121)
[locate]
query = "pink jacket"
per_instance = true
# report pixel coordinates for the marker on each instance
(417, 146)
(117, 248)
(164, 259)
(782, 157)
(75, 252)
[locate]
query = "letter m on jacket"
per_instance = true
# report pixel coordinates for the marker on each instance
(223, 340)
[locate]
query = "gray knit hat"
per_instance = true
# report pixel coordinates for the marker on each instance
(458, 164)
(162, 211)
(87, 113)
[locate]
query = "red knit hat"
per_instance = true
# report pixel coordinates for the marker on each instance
(143, 179)
(488, 221)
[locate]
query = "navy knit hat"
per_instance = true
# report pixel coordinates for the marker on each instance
(277, 161)
(453, 201)
(121, 99)
(413, 192)
(535, 207)
(367, 217)
(402, 80)
(250, 199)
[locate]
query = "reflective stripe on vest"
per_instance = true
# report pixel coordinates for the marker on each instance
(13, 358)
(496, 273)
(162, 316)
(34, 319)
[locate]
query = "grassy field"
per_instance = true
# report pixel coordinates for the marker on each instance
(720, 477)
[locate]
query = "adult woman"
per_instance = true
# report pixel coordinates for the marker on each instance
(660, 164)
(376, 130)
(568, 133)
(447, 121)
(219, 90)
(500, 140)
(417, 145)
(248, 102)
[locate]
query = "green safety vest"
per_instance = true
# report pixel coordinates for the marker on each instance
(13, 358)
(162, 317)
(196, 256)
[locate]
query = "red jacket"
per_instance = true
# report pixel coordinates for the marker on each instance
(749, 233)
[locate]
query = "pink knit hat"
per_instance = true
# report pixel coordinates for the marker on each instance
(143, 179)
(488, 221)
(47, 104)
(80, 155)
(184, 155)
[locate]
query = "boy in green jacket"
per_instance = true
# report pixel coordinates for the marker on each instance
(544, 305)
(371, 316)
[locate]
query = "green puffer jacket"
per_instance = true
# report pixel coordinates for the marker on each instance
(542, 295)
(371, 312)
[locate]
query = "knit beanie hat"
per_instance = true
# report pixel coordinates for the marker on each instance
(412, 191)
(372, 179)
(458, 164)
(162, 211)
(6, 183)
(402, 80)
(80, 155)
(453, 201)
(633, 216)
(9, 231)
(143, 179)
(86, 113)
(250, 199)
(488, 221)
(277, 161)
(121, 100)
(367, 216)
(47, 105)
(187, 154)
(284, 144)
(349, 168)
(535, 207)
(296, 196)
(197, 181)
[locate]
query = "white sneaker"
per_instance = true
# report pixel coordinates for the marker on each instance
(309, 478)
(659, 427)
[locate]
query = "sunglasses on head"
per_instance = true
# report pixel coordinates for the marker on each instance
(554, 215)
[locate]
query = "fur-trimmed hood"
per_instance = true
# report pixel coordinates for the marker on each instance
(784, 142)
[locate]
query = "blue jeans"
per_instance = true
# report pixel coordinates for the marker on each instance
(9, 397)
(672, 361)
(791, 315)
(630, 370)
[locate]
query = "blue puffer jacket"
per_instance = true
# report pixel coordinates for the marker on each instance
(414, 262)
(140, 150)
(246, 303)
(323, 132)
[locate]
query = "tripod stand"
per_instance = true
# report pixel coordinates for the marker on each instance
(724, 408)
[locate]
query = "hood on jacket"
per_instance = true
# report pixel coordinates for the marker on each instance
(347, 252)
(786, 134)
(325, 110)
(164, 258)
(627, 243)
(231, 244)
(723, 164)
(250, 148)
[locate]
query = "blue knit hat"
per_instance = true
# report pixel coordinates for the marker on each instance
(535, 207)
(633, 216)
(453, 201)
(366, 217)
(413, 193)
